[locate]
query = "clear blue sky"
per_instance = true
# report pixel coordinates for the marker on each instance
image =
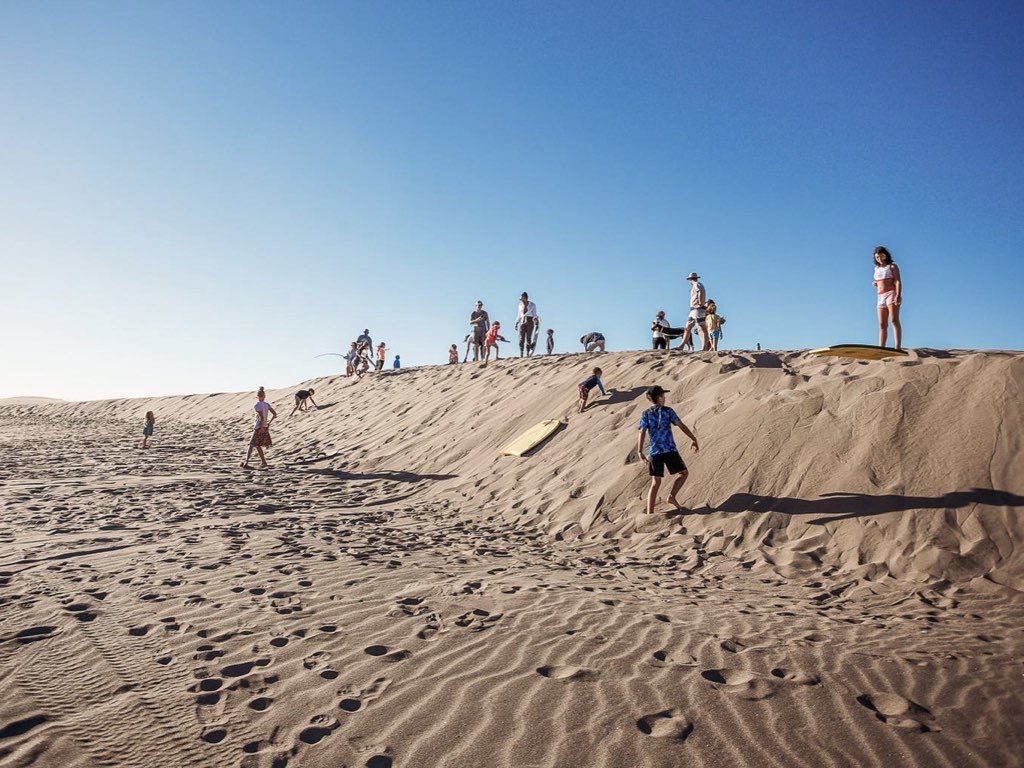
(201, 196)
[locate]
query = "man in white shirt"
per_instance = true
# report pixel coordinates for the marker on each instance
(526, 320)
(698, 298)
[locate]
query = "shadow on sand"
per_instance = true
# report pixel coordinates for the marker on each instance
(616, 396)
(843, 506)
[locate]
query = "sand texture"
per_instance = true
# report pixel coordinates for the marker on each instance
(844, 589)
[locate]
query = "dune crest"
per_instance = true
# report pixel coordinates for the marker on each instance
(845, 585)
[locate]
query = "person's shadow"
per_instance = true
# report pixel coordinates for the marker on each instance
(844, 506)
(620, 396)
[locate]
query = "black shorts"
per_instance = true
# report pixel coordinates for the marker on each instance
(660, 343)
(671, 460)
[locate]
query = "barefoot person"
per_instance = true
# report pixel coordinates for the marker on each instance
(491, 340)
(698, 300)
(265, 415)
(714, 323)
(589, 384)
(889, 286)
(300, 400)
(657, 421)
(526, 320)
(147, 431)
(479, 325)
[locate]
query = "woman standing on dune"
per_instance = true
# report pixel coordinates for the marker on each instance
(265, 414)
(890, 295)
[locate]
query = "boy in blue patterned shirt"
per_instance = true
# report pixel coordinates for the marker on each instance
(658, 421)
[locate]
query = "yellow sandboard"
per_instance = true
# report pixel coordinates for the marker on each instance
(858, 352)
(531, 438)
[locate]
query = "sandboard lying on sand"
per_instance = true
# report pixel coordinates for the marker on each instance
(531, 438)
(858, 352)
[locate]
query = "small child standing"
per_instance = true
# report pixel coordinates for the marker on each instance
(491, 340)
(398, 362)
(147, 431)
(453, 354)
(551, 341)
(589, 384)
(714, 325)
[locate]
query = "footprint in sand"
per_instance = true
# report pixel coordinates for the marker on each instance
(320, 727)
(899, 712)
(796, 678)
(477, 620)
(316, 660)
(433, 628)
(214, 735)
(733, 645)
(244, 668)
(667, 724)
(386, 654)
(741, 683)
(35, 634)
(568, 674)
(665, 658)
(354, 700)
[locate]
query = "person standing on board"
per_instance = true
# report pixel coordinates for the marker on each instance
(698, 298)
(657, 422)
(265, 415)
(526, 320)
(889, 286)
(479, 324)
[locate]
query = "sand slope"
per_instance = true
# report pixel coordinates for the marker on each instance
(845, 589)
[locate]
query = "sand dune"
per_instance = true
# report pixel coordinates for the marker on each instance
(844, 588)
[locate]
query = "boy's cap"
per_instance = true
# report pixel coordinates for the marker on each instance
(692, 276)
(655, 392)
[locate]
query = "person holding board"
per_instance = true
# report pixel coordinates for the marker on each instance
(657, 422)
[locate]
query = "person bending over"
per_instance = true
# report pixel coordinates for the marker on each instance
(589, 384)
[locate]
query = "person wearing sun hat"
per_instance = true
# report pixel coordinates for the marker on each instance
(657, 422)
(698, 300)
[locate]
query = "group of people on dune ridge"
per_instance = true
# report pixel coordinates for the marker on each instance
(656, 422)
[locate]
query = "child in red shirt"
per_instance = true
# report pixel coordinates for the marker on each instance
(491, 340)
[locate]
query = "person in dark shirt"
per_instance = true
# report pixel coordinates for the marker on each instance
(589, 384)
(593, 341)
(300, 400)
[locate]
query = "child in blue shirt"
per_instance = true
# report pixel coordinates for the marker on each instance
(657, 421)
(398, 362)
(589, 384)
